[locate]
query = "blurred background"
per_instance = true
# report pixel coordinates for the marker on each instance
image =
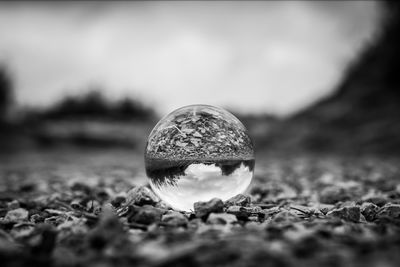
(303, 76)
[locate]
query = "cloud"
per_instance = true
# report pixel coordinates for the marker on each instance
(252, 56)
(203, 182)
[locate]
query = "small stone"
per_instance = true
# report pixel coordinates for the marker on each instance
(76, 204)
(162, 205)
(333, 194)
(36, 218)
(253, 218)
(270, 212)
(8, 247)
(13, 205)
(202, 209)
(180, 144)
(351, 213)
(118, 200)
(17, 215)
(338, 213)
(243, 213)
(81, 187)
(325, 208)
(377, 200)
(252, 210)
(285, 216)
(300, 209)
(107, 207)
(21, 230)
(187, 130)
(56, 220)
(369, 210)
(197, 134)
(389, 210)
(221, 218)
(237, 210)
(95, 207)
(238, 200)
(108, 230)
(103, 194)
(194, 224)
(27, 186)
(175, 218)
(145, 215)
(43, 240)
(362, 218)
(140, 196)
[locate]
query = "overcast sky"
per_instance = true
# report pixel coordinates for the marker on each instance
(274, 57)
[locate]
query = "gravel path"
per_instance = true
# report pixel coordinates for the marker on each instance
(74, 208)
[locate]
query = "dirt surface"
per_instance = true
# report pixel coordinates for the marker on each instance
(93, 208)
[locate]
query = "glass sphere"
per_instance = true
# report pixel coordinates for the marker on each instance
(197, 153)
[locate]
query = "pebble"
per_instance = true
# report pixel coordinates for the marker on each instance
(238, 200)
(118, 200)
(81, 187)
(221, 218)
(239, 212)
(351, 213)
(243, 213)
(253, 218)
(36, 218)
(325, 208)
(17, 215)
(175, 218)
(76, 204)
(103, 194)
(13, 205)
(333, 194)
(194, 224)
(270, 212)
(22, 230)
(140, 196)
(108, 229)
(389, 210)
(203, 209)
(145, 215)
(378, 201)
(369, 210)
(285, 217)
(252, 210)
(43, 240)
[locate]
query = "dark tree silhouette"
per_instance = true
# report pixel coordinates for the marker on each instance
(94, 105)
(5, 92)
(130, 108)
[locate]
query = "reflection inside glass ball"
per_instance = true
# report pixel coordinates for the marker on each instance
(197, 153)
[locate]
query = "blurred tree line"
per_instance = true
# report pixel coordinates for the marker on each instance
(87, 119)
(94, 105)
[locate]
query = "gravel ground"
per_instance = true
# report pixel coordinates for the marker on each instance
(74, 208)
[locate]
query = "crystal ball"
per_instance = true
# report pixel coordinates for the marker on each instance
(197, 153)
